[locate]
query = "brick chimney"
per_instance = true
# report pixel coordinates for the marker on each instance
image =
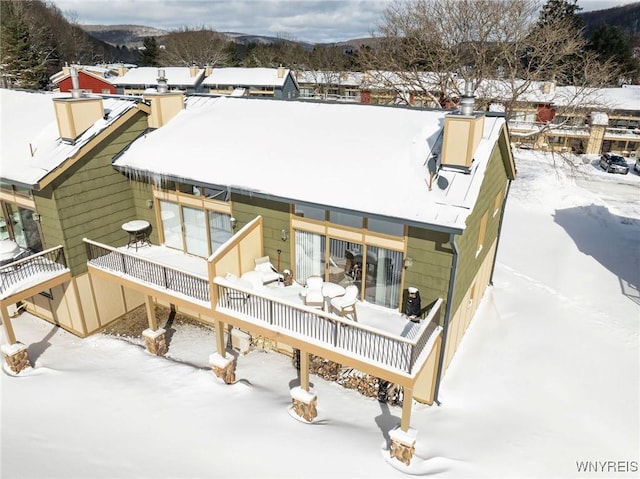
(76, 114)
(165, 104)
(463, 131)
(280, 71)
(193, 70)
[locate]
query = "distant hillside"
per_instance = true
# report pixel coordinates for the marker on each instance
(626, 17)
(130, 36)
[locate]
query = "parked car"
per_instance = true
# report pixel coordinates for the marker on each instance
(637, 165)
(614, 164)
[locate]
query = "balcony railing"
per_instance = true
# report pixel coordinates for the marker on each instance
(148, 271)
(387, 349)
(37, 266)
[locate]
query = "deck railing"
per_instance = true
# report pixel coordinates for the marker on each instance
(39, 264)
(146, 270)
(388, 349)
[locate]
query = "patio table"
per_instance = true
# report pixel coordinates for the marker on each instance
(138, 233)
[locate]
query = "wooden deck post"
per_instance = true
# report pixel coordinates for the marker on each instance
(304, 400)
(407, 402)
(304, 370)
(155, 338)
(16, 355)
(8, 327)
(151, 312)
(403, 438)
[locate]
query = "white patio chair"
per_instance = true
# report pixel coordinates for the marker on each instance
(313, 292)
(346, 305)
(268, 271)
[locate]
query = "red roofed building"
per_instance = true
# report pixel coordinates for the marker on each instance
(89, 81)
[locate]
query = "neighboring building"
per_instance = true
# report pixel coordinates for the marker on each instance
(544, 116)
(378, 198)
(325, 85)
(135, 81)
(57, 186)
(276, 83)
(90, 80)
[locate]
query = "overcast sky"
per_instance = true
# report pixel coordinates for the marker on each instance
(305, 20)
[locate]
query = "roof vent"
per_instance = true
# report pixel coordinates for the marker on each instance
(467, 103)
(163, 86)
(76, 92)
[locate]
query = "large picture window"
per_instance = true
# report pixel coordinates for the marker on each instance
(376, 271)
(194, 230)
(17, 223)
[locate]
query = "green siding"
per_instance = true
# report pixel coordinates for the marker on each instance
(143, 192)
(275, 218)
(90, 199)
(432, 262)
(495, 180)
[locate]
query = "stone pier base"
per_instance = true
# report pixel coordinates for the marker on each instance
(223, 366)
(17, 357)
(403, 444)
(156, 341)
(304, 404)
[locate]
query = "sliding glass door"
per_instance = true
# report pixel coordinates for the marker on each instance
(376, 271)
(194, 230)
(310, 250)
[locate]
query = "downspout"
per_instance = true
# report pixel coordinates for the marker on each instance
(495, 255)
(447, 314)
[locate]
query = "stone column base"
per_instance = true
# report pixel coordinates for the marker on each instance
(17, 357)
(223, 367)
(403, 444)
(304, 404)
(155, 341)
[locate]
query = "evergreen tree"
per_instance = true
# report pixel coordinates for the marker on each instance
(561, 10)
(613, 43)
(149, 54)
(22, 56)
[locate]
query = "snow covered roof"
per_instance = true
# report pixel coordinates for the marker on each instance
(148, 76)
(246, 77)
(361, 158)
(330, 78)
(31, 146)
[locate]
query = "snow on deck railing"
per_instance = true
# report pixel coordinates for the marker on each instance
(14, 275)
(340, 334)
(148, 271)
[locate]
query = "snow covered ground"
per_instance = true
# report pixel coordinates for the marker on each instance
(546, 377)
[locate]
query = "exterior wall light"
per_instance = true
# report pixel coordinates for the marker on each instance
(234, 222)
(284, 235)
(408, 262)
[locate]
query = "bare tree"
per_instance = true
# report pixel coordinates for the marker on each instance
(435, 47)
(187, 46)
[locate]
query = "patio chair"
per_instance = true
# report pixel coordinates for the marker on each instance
(346, 305)
(268, 271)
(313, 292)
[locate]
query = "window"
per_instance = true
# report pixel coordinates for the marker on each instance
(482, 232)
(497, 203)
(17, 223)
(194, 230)
(310, 212)
(219, 229)
(386, 227)
(345, 219)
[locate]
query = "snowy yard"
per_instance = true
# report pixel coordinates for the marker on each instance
(547, 375)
